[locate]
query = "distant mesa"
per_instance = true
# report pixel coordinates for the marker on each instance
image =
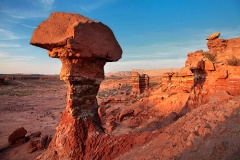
(213, 36)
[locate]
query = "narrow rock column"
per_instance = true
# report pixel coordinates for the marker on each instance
(83, 84)
(135, 83)
(80, 120)
(83, 46)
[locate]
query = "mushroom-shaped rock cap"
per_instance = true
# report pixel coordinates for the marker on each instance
(213, 36)
(73, 35)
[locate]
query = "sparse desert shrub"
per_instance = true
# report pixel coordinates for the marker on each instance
(127, 88)
(173, 93)
(133, 100)
(102, 94)
(233, 61)
(141, 96)
(153, 84)
(163, 89)
(108, 106)
(211, 56)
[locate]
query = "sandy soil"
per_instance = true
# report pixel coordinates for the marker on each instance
(35, 105)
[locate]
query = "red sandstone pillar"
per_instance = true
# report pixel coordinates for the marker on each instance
(83, 46)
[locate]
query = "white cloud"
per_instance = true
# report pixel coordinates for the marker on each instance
(28, 9)
(9, 45)
(47, 4)
(7, 35)
(28, 26)
(93, 5)
(6, 58)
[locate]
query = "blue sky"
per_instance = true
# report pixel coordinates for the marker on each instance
(153, 34)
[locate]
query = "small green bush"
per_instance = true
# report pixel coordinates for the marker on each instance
(233, 61)
(211, 56)
(133, 100)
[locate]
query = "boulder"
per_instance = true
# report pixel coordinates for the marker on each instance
(213, 36)
(73, 35)
(209, 66)
(16, 135)
(222, 73)
(35, 134)
(124, 113)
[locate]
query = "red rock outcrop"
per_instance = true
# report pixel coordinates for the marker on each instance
(213, 71)
(206, 73)
(213, 36)
(83, 46)
(17, 135)
(140, 83)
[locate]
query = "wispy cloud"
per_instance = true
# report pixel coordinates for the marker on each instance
(7, 35)
(47, 4)
(28, 26)
(6, 57)
(28, 9)
(89, 6)
(9, 45)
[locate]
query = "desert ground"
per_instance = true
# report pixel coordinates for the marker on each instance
(37, 105)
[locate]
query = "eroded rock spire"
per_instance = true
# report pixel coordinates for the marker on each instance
(83, 46)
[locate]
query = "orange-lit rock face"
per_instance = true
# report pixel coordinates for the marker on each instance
(213, 36)
(75, 36)
(208, 72)
(140, 83)
(83, 46)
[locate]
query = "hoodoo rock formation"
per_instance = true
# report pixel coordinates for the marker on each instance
(139, 83)
(83, 46)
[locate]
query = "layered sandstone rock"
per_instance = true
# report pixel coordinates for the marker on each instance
(83, 46)
(140, 83)
(213, 71)
(206, 73)
(213, 36)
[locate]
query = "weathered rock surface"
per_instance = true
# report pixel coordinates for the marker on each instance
(83, 46)
(16, 135)
(73, 35)
(140, 83)
(101, 111)
(213, 36)
(200, 127)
